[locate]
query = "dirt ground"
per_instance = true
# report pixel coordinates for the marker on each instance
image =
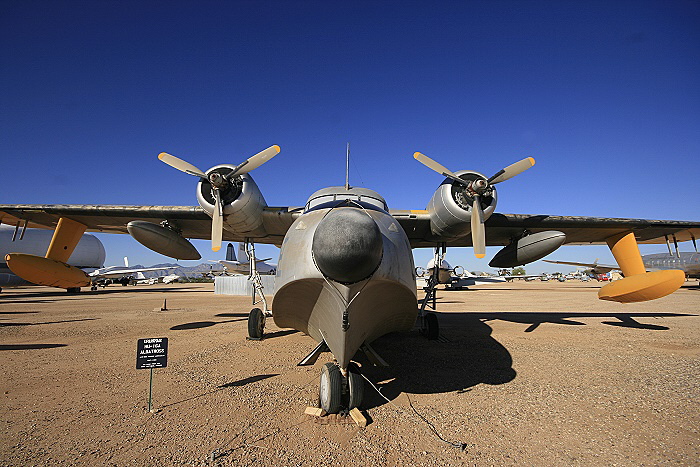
(526, 373)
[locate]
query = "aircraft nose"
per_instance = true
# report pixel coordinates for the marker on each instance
(347, 245)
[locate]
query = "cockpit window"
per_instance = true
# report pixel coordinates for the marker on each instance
(334, 199)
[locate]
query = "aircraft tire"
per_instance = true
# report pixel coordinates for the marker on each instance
(432, 327)
(330, 389)
(256, 324)
(73, 290)
(356, 387)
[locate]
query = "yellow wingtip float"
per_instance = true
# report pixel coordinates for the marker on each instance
(643, 287)
(52, 270)
(46, 271)
(638, 285)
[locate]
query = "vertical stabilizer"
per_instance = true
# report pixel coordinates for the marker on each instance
(230, 254)
(242, 254)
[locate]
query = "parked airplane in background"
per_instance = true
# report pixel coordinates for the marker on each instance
(456, 278)
(242, 266)
(687, 262)
(170, 278)
(346, 274)
(120, 274)
(89, 253)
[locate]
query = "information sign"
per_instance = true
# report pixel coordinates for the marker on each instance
(152, 353)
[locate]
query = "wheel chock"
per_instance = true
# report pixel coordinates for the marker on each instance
(359, 418)
(315, 411)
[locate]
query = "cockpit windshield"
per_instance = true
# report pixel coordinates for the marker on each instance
(335, 196)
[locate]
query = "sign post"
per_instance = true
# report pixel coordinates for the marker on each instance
(151, 353)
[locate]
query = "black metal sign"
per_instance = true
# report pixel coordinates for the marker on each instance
(152, 353)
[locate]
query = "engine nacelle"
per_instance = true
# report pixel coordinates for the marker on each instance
(528, 249)
(162, 240)
(450, 207)
(242, 202)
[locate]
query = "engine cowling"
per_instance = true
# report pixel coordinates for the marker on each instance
(241, 199)
(450, 207)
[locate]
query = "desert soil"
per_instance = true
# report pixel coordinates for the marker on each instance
(526, 373)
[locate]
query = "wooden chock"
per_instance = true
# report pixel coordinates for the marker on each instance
(359, 418)
(315, 411)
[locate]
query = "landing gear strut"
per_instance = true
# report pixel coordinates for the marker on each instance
(428, 321)
(256, 318)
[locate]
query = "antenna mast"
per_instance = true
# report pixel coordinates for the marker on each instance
(347, 167)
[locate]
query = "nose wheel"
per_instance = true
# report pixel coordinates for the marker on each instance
(337, 391)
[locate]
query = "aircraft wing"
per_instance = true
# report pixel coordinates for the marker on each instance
(501, 228)
(602, 268)
(193, 221)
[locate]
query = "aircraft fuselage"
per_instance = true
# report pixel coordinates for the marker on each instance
(345, 273)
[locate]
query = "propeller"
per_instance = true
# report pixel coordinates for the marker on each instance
(220, 182)
(475, 189)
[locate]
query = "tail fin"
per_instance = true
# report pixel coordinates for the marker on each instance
(230, 254)
(242, 255)
(126, 261)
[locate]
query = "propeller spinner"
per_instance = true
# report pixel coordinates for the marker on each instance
(220, 182)
(476, 189)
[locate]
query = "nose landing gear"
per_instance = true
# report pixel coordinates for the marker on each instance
(340, 390)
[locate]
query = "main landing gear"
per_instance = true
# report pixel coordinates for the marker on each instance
(256, 317)
(338, 389)
(428, 321)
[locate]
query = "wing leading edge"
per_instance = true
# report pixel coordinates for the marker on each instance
(502, 228)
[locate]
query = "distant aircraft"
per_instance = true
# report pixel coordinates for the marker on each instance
(687, 262)
(122, 275)
(457, 277)
(346, 274)
(232, 265)
(171, 278)
(88, 254)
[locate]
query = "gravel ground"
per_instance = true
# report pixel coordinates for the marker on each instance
(526, 373)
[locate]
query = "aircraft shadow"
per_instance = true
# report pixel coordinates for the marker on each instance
(232, 315)
(47, 322)
(469, 355)
(534, 320)
(202, 324)
(29, 346)
(232, 384)
(59, 293)
(284, 332)
(419, 366)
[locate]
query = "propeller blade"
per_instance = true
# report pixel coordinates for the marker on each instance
(179, 164)
(512, 170)
(478, 230)
(217, 222)
(437, 167)
(255, 161)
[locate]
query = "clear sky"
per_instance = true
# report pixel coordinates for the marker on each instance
(604, 95)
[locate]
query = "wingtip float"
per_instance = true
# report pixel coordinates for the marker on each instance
(46, 271)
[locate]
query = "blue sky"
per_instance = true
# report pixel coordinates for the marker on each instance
(604, 95)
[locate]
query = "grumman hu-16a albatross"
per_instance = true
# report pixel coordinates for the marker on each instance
(345, 274)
